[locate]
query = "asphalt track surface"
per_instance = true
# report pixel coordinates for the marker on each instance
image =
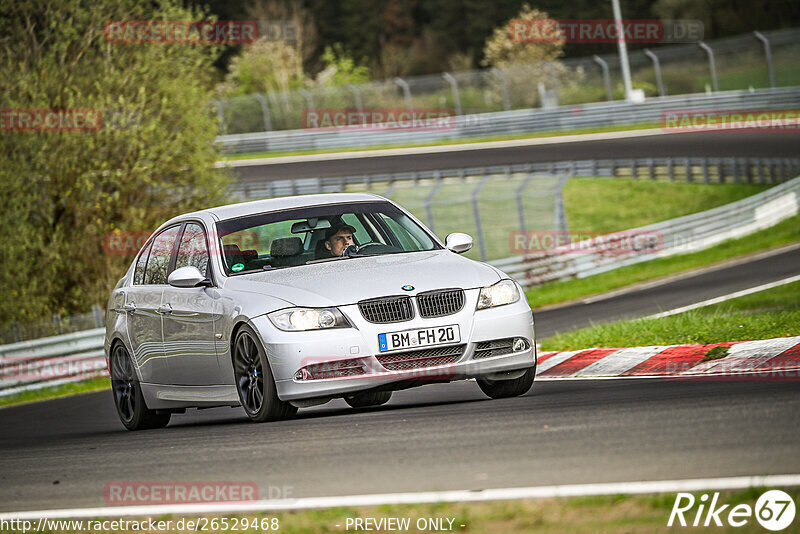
(734, 143)
(62, 453)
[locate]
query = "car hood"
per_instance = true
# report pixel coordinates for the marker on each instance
(347, 281)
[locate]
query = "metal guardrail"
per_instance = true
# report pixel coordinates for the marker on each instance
(52, 361)
(695, 169)
(61, 359)
(512, 122)
(690, 233)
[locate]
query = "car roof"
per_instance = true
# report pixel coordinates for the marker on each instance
(232, 211)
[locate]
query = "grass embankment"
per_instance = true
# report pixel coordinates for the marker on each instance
(763, 315)
(632, 514)
(460, 141)
(87, 386)
(784, 233)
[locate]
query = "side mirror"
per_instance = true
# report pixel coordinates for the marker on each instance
(458, 242)
(189, 276)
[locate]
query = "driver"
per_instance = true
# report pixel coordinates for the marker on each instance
(338, 237)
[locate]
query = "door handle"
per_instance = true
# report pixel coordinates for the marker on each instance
(129, 307)
(164, 309)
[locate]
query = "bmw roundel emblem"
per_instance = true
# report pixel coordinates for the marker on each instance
(408, 288)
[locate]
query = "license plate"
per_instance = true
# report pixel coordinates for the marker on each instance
(419, 337)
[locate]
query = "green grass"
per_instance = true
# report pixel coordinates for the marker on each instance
(763, 315)
(783, 233)
(715, 353)
(632, 514)
(460, 141)
(64, 390)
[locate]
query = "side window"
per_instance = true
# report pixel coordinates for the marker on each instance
(160, 254)
(362, 235)
(406, 239)
(193, 249)
(141, 264)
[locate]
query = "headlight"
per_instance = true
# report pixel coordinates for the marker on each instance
(298, 319)
(503, 292)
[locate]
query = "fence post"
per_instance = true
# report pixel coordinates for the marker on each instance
(560, 210)
(264, 112)
(606, 78)
(356, 96)
(308, 97)
(221, 115)
(454, 88)
(428, 211)
(406, 91)
(768, 54)
(17, 331)
(502, 76)
(97, 312)
(657, 68)
(476, 213)
(56, 318)
(520, 207)
(711, 65)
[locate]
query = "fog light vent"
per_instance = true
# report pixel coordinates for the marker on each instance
(336, 369)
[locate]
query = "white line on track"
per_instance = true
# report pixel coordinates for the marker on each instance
(535, 492)
(723, 298)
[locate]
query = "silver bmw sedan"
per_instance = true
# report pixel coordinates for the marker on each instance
(287, 303)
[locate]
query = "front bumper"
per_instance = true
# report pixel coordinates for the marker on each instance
(290, 351)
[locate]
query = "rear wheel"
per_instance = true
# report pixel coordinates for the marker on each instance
(254, 382)
(127, 391)
(370, 398)
(502, 389)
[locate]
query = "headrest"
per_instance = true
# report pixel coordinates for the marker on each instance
(286, 246)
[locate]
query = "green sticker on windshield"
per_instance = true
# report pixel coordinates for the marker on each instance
(237, 267)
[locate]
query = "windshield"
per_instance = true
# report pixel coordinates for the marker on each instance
(300, 236)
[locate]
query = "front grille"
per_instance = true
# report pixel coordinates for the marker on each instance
(496, 347)
(440, 303)
(387, 310)
(419, 359)
(337, 369)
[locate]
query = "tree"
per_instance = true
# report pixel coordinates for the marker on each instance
(65, 192)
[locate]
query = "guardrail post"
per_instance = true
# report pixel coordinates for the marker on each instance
(56, 318)
(356, 96)
(651, 168)
(614, 168)
(634, 170)
(711, 65)
(308, 97)
(428, 211)
(594, 168)
(706, 177)
(735, 170)
(520, 207)
(17, 331)
(264, 112)
(476, 213)
(657, 69)
(687, 168)
(606, 78)
(721, 170)
(670, 170)
(454, 88)
(406, 91)
(504, 87)
(768, 55)
(748, 171)
(760, 170)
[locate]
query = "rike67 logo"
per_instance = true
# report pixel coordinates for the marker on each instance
(774, 510)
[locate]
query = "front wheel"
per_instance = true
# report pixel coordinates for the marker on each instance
(371, 398)
(254, 381)
(502, 389)
(128, 398)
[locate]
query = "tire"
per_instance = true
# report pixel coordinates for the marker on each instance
(127, 393)
(254, 381)
(503, 389)
(370, 398)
